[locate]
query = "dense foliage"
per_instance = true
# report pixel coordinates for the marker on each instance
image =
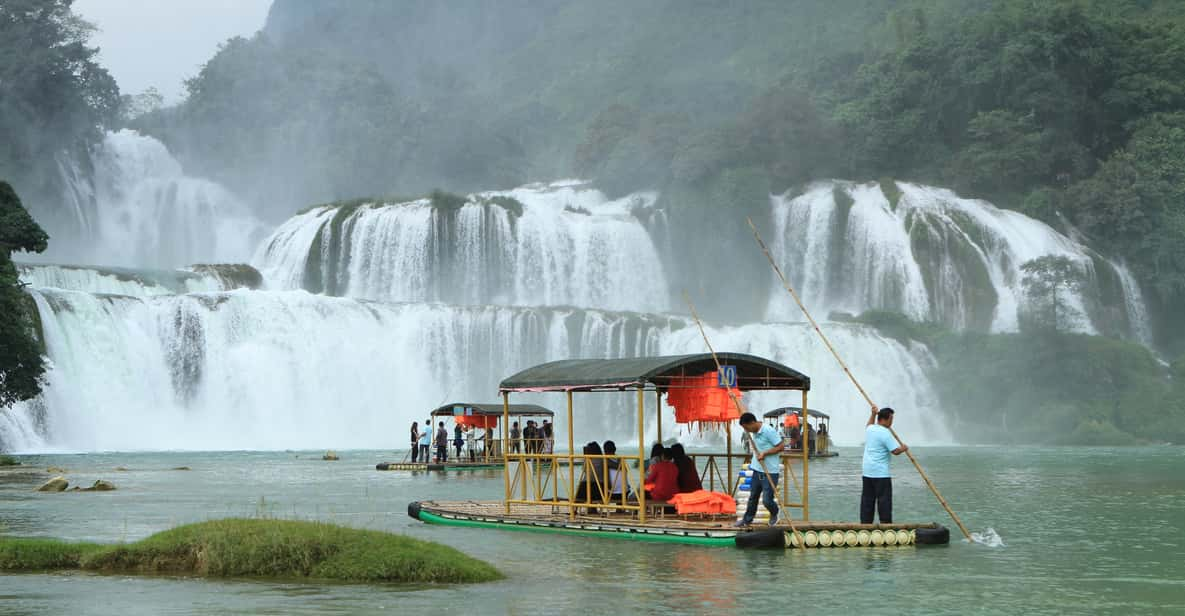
(1055, 108)
(22, 367)
(53, 93)
(1048, 387)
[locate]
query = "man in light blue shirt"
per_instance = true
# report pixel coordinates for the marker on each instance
(768, 444)
(877, 494)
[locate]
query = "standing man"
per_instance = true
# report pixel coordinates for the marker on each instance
(441, 444)
(877, 494)
(767, 443)
(548, 436)
(515, 434)
(425, 440)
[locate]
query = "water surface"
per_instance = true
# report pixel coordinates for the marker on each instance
(1084, 530)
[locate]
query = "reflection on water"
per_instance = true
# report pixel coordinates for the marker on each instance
(1121, 511)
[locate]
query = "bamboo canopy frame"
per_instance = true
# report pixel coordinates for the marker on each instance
(790, 290)
(657, 374)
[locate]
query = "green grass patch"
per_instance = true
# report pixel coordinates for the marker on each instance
(18, 554)
(259, 548)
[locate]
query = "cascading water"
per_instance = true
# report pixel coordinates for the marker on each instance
(123, 281)
(253, 369)
(138, 209)
(932, 256)
(270, 370)
(152, 359)
(539, 245)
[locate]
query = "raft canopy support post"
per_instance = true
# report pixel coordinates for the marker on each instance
(505, 447)
(642, 451)
(571, 463)
(806, 460)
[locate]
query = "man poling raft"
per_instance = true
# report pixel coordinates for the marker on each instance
(903, 447)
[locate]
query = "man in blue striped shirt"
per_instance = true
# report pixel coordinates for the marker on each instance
(768, 444)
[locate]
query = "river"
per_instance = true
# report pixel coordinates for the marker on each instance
(1080, 530)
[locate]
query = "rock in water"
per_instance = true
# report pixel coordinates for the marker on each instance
(57, 484)
(329, 455)
(100, 486)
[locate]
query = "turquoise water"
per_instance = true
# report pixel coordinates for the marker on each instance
(1083, 531)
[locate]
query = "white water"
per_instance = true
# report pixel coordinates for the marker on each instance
(138, 209)
(931, 257)
(275, 370)
(166, 360)
(570, 246)
(116, 281)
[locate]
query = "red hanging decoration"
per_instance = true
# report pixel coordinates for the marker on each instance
(699, 399)
(477, 421)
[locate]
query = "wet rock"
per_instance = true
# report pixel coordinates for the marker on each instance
(122, 469)
(57, 484)
(330, 455)
(100, 486)
(55, 469)
(181, 468)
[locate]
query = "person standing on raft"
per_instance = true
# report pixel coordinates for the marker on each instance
(877, 493)
(767, 444)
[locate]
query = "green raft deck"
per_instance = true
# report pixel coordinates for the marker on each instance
(671, 528)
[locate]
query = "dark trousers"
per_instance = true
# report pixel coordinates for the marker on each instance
(762, 486)
(442, 453)
(415, 452)
(877, 496)
(423, 454)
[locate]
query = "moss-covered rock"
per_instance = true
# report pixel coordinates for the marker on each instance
(232, 275)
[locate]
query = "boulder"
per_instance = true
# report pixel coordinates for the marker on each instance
(55, 469)
(57, 484)
(330, 455)
(181, 468)
(100, 486)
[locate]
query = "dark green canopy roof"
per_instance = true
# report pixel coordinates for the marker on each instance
(655, 372)
(492, 408)
(796, 410)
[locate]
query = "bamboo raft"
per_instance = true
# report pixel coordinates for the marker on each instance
(668, 527)
(540, 496)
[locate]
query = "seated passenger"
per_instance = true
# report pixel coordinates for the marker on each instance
(591, 488)
(663, 480)
(689, 480)
(655, 455)
(615, 479)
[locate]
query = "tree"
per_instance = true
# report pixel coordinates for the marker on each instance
(54, 96)
(1046, 281)
(22, 366)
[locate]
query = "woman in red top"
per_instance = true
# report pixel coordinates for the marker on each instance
(663, 480)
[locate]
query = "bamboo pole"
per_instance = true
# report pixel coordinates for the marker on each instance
(753, 446)
(797, 300)
(505, 447)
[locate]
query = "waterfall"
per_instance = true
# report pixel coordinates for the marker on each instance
(137, 208)
(273, 370)
(930, 255)
(539, 245)
(126, 281)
